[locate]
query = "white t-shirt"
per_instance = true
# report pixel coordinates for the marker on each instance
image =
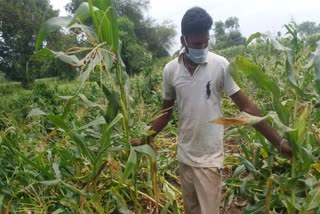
(198, 96)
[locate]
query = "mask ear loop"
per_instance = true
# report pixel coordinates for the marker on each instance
(185, 41)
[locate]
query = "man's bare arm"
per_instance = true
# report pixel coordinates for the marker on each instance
(161, 122)
(158, 124)
(244, 104)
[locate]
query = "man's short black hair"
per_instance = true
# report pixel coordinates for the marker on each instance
(196, 20)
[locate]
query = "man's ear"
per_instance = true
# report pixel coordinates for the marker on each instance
(182, 40)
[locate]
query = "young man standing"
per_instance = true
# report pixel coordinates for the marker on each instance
(196, 80)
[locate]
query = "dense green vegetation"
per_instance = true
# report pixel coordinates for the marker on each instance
(142, 39)
(64, 145)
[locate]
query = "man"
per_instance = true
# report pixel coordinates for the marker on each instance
(196, 79)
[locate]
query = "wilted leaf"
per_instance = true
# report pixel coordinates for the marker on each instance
(316, 166)
(246, 119)
(242, 119)
(36, 112)
(115, 168)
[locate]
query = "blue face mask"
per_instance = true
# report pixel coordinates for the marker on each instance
(196, 55)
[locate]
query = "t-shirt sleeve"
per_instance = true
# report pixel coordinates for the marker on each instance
(230, 86)
(168, 92)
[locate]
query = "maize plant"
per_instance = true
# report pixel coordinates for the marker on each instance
(88, 164)
(268, 182)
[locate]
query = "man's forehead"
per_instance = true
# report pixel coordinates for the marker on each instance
(198, 36)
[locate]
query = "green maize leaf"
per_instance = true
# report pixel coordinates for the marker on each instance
(95, 21)
(248, 164)
(107, 59)
(51, 182)
(244, 187)
(246, 151)
(256, 74)
(56, 169)
(113, 103)
(67, 108)
(306, 158)
(102, 4)
(50, 26)
(165, 209)
(175, 207)
(26, 159)
(87, 101)
(42, 54)
(230, 195)
(115, 121)
(290, 69)
(122, 206)
(252, 37)
(258, 207)
(104, 27)
(317, 85)
(115, 33)
(81, 143)
(107, 28)
(315, 61)
(113, 28)
(238, 171)
(99, 121)
(291, 29)
(146, 149)
(106, 136)
(66, 97)
(58, 211)
(78, 139)
(282, 111)
(90, 68)
(58, 121)
(1, 201)
(289, 59)
(36, 112)
(46, 53)
(70, 59)
(312, 201)
(302, 127)
(81, 14)
(317, 73)
(106, 139)
(131, 162)
(169, 192)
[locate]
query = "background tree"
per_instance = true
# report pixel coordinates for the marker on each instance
(20, 22)
(227, 34)
(220, 37)
(134, 55)
(308, 28)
